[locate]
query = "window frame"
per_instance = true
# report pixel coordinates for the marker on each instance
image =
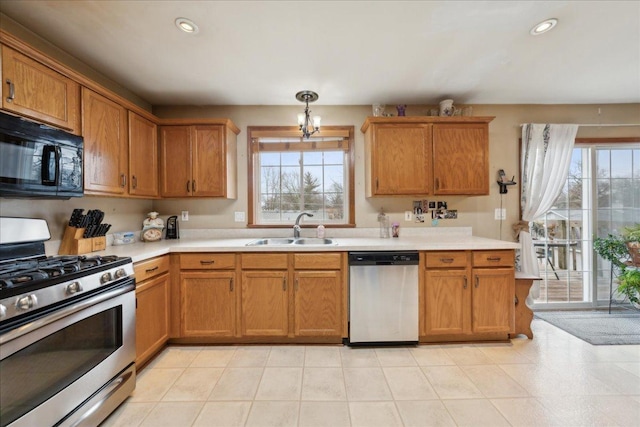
(254, 132)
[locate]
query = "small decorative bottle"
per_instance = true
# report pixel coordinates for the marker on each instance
(395, 229)
(384, 225)
(320, 232)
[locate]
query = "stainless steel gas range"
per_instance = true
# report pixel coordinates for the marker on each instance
(67, 331)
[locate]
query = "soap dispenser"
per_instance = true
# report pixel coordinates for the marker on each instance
(384, 225)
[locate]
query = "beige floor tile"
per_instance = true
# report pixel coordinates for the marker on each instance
(213, 357)
(286, 356)
(621, 409)
(502, 353)
(475, 412)
(270, 414)
(323, 384)
(366, 384)
(395, 357)
(129, 414)
(358, 357)
(152, 384)
(237, 384)
(466, 354)
(616, 353)
(526, 412)
(280, 384)
(194, 384)
(636, 398)
(450, 382)
(615, 377)
(172, 414)
(408, 383)
(634, 368)
(493, 381)
(576, 411)
(426, 413)
(431, 356)
(223, 414)
(250, 356)
(175, 357)
(324, 414)
(322, 356)
(374, 414)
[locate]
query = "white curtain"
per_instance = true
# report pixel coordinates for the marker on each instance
(546, 157)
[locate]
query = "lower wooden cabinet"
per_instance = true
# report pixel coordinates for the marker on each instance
(318, 303)
(447, 302)
(265, 303)
(208, 303)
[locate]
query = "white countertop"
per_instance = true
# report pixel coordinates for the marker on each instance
(442, 239)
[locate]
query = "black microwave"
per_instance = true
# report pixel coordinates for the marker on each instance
(38, 161)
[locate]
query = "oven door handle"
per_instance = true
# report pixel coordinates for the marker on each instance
(65, 311)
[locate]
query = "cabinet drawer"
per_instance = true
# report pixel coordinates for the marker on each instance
(264, 261)
(493, 258)
(447, 259)
(151, 268)
(317, 261)
(207, 261)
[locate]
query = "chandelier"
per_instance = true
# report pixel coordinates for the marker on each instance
(307, 127)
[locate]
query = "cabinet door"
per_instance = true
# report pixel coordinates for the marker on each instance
(447, 294)
(493, 305)
(104, 128)
(401, 160)
(143, 156)
(34, 90)
(461, 158)
(208, 304)
(208, 161)
(318, 303)
(265, 303)
(152, 316)
(175, 161)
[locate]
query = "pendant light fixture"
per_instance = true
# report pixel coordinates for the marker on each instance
(307, 126)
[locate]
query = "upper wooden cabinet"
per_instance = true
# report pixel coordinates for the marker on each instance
(198, 160)
(104, 128)
(143, 156)
(416, 156)
(34, 90)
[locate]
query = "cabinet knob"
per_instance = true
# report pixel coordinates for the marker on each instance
(12, 91)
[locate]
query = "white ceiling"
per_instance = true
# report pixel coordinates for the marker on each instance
(351, 52)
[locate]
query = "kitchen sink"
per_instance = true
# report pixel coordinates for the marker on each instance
(291, 241)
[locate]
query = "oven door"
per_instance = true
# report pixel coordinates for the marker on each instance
(70, 364)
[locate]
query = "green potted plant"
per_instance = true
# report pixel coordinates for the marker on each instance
(631, 236)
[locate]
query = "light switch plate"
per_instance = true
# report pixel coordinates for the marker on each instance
(239, 217)
(185, 215)
(408, 215)
(500, 214)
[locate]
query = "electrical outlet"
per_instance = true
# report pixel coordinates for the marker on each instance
(239, 217)
(408, 215)
(500, 214)
(185, 215)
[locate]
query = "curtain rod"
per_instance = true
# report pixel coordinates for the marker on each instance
(594, 124)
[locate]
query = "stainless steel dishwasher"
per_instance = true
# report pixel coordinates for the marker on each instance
(383, 297)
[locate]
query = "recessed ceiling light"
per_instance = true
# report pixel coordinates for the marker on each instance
(543, 27)
(187, 25)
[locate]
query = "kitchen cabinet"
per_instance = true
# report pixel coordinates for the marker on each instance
(208, 295)
(152, 307)
(33, 90)
(198, 160)
(265, 295)
(469, 293)
(104, 128)
(143, 157)
(417, 156)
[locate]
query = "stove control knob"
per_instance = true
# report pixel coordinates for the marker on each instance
(120, 273)
(27, 302)
(73, 288)
(106, 277)
(3, 311)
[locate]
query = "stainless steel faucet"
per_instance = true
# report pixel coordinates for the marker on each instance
(296, 227)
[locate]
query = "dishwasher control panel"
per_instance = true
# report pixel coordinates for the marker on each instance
(384, 258)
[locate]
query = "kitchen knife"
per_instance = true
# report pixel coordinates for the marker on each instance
(87, 231)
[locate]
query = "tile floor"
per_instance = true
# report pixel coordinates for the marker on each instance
(554, 379)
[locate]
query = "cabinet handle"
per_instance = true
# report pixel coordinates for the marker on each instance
(376, 183)
(231, 285)
(12, 91)
(437, 183)
(123, 180)
(284, 284)
(494, 258)
(207, 262)
(134, 181)
(188, 186)
(477, 281)
(446, 260)
(149, 270)
(465, 282)
(193, 185)
(297, 284)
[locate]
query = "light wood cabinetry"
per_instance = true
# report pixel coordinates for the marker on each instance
(143, 157)
(34, 90)
(469, 294)
(104, 128)
(152, 307)
(426, 155)
(208, 296)
(198, 160)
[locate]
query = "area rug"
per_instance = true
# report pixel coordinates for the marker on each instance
(597, 327)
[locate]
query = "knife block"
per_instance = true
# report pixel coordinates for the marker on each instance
(74, 244)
